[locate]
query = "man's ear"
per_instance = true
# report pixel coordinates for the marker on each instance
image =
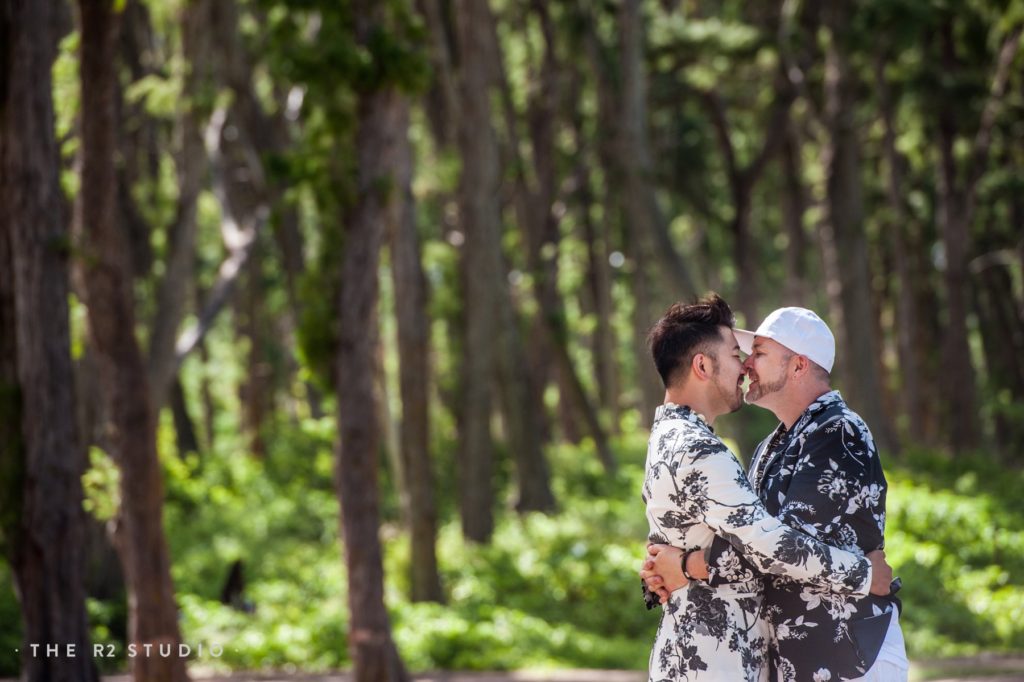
(702, 366)
(802, 366)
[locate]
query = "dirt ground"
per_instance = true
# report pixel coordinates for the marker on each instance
(978, 669)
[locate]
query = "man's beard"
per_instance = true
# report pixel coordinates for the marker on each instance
(732, 399)
(762, 389)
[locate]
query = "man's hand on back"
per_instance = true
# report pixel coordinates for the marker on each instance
(662, 571)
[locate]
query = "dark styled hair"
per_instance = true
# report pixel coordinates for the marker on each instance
(685, 330)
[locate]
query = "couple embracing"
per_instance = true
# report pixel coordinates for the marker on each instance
(777, 573)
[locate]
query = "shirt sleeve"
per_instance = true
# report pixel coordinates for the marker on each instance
(715, 489)
(726, 565)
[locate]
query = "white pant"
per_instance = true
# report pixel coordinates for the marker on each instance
(892, 664)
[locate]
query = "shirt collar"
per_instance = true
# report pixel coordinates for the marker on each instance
(674, 411)
(820, 404)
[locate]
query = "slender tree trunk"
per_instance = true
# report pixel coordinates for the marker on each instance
(543, 248)
(442, 102)
(482, 264)
(794, 207)
(641, 204)
(958, 375)
(1002, 334)
(183, 426)
(414, 378)
(380, 127)
(608, 142)
(599, 285)
(652, 391)
(206, 396)
(742, 181)
(956, 211)
(1001, 317)
(251, 326)
(910, 355)
(541, 226)
(264, 135)
(239, 234)
(42, 523)
(858, 348)
(533, 476)
(172, 292)
(522, 392)
(140, 140)
(139, 534)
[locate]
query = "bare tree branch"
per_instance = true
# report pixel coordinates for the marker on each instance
(238, 239)
(994, 103)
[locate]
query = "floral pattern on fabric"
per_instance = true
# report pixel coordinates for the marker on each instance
(695, 488)
(823, 477)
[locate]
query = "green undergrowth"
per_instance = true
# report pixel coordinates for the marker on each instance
(554, 590)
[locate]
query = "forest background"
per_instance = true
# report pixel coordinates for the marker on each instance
(322, 323)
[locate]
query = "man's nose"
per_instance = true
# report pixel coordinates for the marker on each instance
(748, 363)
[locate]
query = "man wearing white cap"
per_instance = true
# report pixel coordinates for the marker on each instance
(818, 471)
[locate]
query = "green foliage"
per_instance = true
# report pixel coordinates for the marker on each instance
(159, 95)
(317, 46)
(101, 486)
(955, 533)
(549, 591)
(542, 594)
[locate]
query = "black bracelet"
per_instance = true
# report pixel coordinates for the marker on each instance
(686, 555)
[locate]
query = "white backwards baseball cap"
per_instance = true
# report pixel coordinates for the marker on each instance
(799, 330)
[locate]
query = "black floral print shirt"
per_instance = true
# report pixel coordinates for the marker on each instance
(824, 477)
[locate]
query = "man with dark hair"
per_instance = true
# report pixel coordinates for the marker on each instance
(817, 471)
(695, 489)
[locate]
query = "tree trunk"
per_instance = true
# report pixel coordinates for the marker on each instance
(442, 102)
(251, 326)
(543, 249)
(265, 136)
(956, 211)
(652, 391)
(1001, 317)
(231, 177)
(141, 139)
(641, 202)
(958, 375)
(910, 355)
(206, 397)
(414, 378)
(173, 290)
(482, 266)
(139, 534)
(522, 392)
(534, 210)
(184, 429)
(599, 288)
(608, 141)
(380, 122)
(794, 206)
(42, 523)
(857, 350)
